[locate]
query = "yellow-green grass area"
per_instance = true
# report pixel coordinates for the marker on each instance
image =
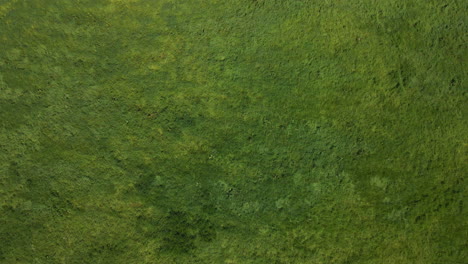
(240, 131)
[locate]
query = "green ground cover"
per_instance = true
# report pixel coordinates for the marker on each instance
(240, 131)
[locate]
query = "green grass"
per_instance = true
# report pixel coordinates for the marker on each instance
(242, 131)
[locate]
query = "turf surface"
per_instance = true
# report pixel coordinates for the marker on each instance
(240, 131)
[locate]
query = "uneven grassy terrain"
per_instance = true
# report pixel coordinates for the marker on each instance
(240, 131)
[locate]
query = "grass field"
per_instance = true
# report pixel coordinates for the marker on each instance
(239, 131)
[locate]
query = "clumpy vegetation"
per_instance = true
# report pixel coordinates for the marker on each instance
(241, 131)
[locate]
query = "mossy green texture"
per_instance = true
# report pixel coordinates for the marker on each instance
(241, 131)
